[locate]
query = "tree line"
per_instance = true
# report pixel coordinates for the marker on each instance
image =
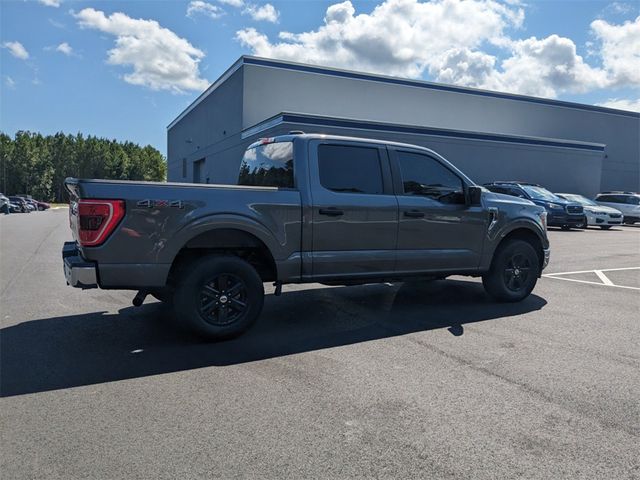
(35, 164)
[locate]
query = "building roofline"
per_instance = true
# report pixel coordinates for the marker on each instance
(221, 79)
(337, 72)
(352, 123)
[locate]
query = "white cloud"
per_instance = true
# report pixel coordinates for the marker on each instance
(57, 24)
(622, 104)
(160, 59)
(50, 3)
(619, 8)
(399, 37)
(9, 82)
(65, 48)
(204, 8)
(620, 50)
(541, 67)
(233, 3)
(16, 49)
(266, 12)
(451, 40)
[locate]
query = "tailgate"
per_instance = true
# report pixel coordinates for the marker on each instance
(71, 186)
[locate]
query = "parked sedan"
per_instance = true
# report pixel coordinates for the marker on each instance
(37, 204)
(42, 205)
(22, 203)
(597, 215)
(627, 202)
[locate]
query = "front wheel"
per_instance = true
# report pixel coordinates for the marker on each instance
(219, 296)
(514, 271)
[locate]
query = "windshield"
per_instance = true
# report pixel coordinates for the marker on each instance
(539, 193)
(579, 199)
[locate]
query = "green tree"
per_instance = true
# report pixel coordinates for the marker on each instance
(37, 165)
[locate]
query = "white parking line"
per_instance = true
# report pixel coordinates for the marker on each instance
(603, 277)
(599, 273)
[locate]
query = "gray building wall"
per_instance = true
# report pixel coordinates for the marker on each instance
(263, 89)
(213, 126)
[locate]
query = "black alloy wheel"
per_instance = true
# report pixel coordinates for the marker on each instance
(516, 272)
(223, 300)
(218, 296)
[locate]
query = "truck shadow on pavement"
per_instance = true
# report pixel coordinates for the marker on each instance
(91, 348)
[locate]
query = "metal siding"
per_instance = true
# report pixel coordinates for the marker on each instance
(557, 168)
(219, 112)
(255, 93)
(269, 91)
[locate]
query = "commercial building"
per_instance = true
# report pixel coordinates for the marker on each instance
(565, 146)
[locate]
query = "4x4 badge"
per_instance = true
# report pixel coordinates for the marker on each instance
(160, 203)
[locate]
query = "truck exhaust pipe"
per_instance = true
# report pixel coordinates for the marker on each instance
(139, 298)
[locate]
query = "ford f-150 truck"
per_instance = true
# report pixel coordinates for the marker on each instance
(306, 208)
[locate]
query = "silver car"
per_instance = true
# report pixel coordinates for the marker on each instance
(627, 202)
(596, 215)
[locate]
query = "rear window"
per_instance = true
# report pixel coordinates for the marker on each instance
(269, 165)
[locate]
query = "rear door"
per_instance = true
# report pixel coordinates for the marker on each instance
(437, 230)
(355, 213)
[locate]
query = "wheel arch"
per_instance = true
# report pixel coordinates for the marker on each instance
(230, 240)
(527, 234)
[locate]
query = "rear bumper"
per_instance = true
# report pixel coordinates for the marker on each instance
(78, 272)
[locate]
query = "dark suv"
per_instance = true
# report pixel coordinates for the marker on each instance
(560, 212)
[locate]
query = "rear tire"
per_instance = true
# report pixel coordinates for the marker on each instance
(514, 271)
(218, 296)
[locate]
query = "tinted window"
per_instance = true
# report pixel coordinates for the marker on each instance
(350, 169)
(425, 176)
(269, 165)
(539, 193)
(605, 198)
(633, 200)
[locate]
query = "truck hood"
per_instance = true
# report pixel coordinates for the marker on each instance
(600, 208)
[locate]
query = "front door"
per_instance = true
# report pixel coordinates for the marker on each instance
(355, 213)
(198, 167)
(437, 230)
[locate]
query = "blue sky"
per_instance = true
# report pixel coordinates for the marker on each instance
(105, 68)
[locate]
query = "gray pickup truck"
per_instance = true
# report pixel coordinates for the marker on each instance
(306, 208)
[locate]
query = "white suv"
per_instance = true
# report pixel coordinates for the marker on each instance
(627, 202)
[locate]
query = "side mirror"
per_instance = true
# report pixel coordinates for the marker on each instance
(474, 195)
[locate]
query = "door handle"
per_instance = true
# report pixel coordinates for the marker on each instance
(331, 211)
(413, 213)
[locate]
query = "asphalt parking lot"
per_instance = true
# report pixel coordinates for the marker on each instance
(378, 381)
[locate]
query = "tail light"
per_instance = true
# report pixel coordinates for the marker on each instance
(97, 219)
